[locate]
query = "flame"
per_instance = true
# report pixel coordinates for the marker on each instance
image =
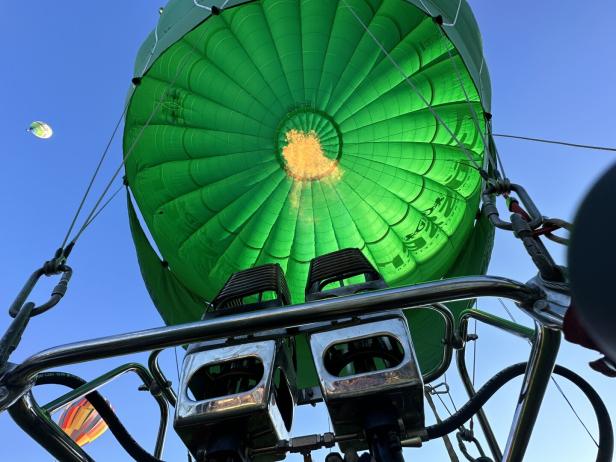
(305, 161)
(304, 157)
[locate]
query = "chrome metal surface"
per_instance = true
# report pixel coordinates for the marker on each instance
(35, 422)
(550, 310)
(98, 382)
(494, 321)
(245, 323)
(190, 411)
(306, 443)
(255, 412)
(486, 428)
(347, 396)
(12, 336)
(95, 384)
(536, 379)
(446, 440)
(449, 341)
(164, 384)
(505, 325)
(368, 383)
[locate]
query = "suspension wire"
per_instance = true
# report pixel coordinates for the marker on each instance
(443, 403)
(558, 387)
(573, 409)
(130, 150)
(562, 143)
(177, 370)
(102, 207)
(484, 137)
(94, 175)
(177, 365)
(474, 363)
(507, 310)
(92, 214)
(449, 394)
(410, 83)
(453, 456)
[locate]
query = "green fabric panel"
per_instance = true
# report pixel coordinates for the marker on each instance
(207, 126)
(175, 303)
(427, 328)
(181, 16)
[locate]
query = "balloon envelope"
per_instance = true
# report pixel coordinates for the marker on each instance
(280, 130)
(82, 422)
(40, 129)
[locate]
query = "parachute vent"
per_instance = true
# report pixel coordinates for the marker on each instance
(259, 287)
(338, 267)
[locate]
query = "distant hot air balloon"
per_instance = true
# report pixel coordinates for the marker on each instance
(40, 129)
(82, 422)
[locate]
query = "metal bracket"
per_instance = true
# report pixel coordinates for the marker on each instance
(10, 394)
(551, 309)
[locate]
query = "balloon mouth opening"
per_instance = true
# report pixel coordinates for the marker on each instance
(304, 157)
(309, 145)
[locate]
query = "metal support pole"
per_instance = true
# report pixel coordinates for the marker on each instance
(481, 416)
(507, 326)
(12, 336)
(162, 381)
(272, 318)
(448, 342)
(536, 379)
(35, 422)
(495, 321)
(95, 384)
(450, 450)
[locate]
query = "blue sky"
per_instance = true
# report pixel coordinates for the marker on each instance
(70, 63)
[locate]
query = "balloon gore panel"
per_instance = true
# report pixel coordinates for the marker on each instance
(280, 130)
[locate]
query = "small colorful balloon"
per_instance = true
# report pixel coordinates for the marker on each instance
(82, 422)
(40, 129)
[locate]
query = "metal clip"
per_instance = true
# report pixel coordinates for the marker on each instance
(57, 265)
(502, 187)
(434, 389)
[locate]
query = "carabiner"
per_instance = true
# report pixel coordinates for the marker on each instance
(57, 293)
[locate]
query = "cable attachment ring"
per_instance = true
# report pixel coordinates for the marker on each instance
(438, 389)
(527, 224)
(55, 266)
(504, 187)
(552, 224)
(466, 436)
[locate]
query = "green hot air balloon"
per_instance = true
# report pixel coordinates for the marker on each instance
(281, 130)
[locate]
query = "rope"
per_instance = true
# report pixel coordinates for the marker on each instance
(553, 224)
(414, 88)
(562, 143)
